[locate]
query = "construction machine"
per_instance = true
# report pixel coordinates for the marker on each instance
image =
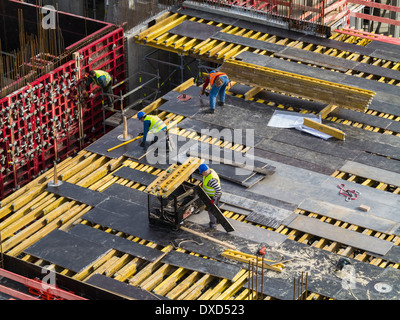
(175, 195)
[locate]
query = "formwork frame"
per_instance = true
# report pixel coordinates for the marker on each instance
(42, 123)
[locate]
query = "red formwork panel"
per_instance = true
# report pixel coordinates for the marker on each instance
(32, 118)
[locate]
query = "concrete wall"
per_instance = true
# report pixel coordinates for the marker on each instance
(70, 6)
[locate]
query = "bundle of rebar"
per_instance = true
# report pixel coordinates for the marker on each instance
(36, 55)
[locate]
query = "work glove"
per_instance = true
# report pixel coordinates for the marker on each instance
(212, 201)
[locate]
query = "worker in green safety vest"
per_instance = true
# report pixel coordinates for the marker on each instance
(212, 186)
(152, 124)
(104, 80)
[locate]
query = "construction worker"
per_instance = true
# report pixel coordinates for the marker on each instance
(152, 124)
(104, 80)
(212, 186)
(218, 82)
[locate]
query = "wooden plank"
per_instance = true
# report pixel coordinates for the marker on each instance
(214, 210)
(328, 109)
(348, 237)
(338, 134)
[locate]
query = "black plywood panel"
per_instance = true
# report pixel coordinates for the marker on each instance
(340, 45)
(331, 232)
(111, 241)
(379, 71)
(122, 288)
(111, 140)
(332, 147)
(379, 162)
(320, 159)
(67, 250)
(293, 162)
(317, 58)
(385, 107)
(193, 29)
(214, 130)
(121, 206)
(125, 193)
(141, 177)
(214, 268)
(252, 43)
(290, 66)
(393, 255)
(135, 223)
(274, 287)
(186, 108)
(78, 193)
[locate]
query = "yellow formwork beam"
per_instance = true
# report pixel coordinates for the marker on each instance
(184, 285)
(338, 134)
(298, 85)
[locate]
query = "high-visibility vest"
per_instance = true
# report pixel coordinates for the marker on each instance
(210, 191)
(156, 124)
(100, 73)
(214, 75)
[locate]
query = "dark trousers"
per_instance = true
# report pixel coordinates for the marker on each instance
(109, 99)
(213, 219)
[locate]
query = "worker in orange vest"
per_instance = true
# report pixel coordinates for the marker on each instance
(218, 82)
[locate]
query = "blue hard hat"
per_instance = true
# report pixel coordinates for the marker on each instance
(140, 115)
(203, 167)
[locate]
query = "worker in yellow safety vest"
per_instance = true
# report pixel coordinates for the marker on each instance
(104, 80)
(212, 186)
(218, 82)
(152, 124)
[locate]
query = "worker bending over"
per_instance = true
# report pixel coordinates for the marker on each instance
(153, 124)
(212, 186)
(104, 80)
(218, 82)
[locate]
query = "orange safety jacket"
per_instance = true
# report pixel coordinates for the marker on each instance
(214, 76)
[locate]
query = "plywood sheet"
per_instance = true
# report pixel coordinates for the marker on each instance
(78, 193)
(111, 140)
(252, 43)
(357, 217)
(193, 29)
(134, 223)
(141, 177)
(311, 57)
(67, 250)
(126, 193)
(347, 237)
(112, 241)
(377, 174)
(122, 288)
(262, 212)
(214, 268)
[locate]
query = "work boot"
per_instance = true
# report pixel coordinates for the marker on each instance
(221, 104)
(210, 111)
